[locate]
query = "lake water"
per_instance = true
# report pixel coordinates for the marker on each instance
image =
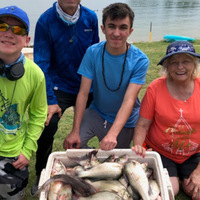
(176, 17)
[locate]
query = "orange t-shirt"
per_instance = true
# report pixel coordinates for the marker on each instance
(175, 130)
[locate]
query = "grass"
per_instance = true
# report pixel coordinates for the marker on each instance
(155, 51)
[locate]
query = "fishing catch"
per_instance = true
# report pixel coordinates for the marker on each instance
(113, 178)
(137, 178)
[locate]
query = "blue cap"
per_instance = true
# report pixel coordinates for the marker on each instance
(16, 12)
(177, 48)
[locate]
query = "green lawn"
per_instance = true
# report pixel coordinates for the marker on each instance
(155, 51)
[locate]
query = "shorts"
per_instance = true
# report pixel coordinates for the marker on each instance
(182, 170)
(12, 181)
(94, 125)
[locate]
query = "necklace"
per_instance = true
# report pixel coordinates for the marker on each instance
(103, 73)
(181, 94)
(73, 33)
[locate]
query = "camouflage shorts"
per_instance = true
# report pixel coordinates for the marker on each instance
(12, 181)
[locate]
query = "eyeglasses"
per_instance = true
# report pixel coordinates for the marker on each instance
(184, 63)
(17, 30)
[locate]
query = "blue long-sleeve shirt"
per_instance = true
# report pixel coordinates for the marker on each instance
(59, 49)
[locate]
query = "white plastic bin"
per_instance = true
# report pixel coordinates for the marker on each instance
(151, 157)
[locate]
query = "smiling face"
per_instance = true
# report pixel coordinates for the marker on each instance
(10, 43)
(181, 67)
(116, 32)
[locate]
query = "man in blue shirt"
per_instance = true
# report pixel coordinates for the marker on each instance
(116, 70)
(62, 35)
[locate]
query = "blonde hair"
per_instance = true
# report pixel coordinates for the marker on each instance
(164, 70)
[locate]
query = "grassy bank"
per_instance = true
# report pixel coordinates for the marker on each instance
(155, 51)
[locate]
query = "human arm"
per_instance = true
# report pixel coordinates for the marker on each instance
(43, 56)
(37, 113)
(73, 137)
(110, 140)
(140, 132)
(192, 184)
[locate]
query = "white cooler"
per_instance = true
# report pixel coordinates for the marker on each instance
(160, 174)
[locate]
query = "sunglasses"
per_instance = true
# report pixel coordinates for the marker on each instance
(17, 30)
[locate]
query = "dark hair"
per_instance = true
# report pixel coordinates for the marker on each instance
(118, 11)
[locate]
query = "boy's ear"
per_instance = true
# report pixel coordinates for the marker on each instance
(103, 28)
(28, 38)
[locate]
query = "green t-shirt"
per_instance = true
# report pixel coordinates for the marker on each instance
(20, 130)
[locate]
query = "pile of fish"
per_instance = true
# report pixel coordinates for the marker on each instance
(114, 178)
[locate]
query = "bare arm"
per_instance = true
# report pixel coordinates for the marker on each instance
(81, 101)
(110, 140)
(192, 184)
(140, 133)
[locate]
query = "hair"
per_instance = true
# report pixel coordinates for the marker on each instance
(118, 11)
(164, 70)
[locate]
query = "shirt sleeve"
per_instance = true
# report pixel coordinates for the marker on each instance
(140, 71)
(42, 57)
(37, 114)
(85, 68)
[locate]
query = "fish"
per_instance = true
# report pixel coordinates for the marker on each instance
(106, 170)
(101, 196)
(58, 168)
(148, 170)
(73, 171)
(137, 178)
(124, 181)
(78, 168)
(122, 159)
(59, 190)
(84, 160)
(65, 193)
(79, 186)
(155, 189)
(134, 194)
(110, 158)
(94, 161)
(54, 189)
(111, 185)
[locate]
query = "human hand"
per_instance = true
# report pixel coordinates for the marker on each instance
(21, 162)
(192, 184)
(72, 141)
(139, 150)
(52, 109)
(108, 143)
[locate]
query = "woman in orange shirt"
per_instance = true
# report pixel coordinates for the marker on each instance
(169, 121)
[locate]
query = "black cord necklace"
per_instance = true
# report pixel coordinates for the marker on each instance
(103, 73)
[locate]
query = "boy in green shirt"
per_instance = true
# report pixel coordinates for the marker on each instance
(22, 87)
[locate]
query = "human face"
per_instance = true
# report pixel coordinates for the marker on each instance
(116, 32)
(181, 67)
(69, 6)
(10, 43)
